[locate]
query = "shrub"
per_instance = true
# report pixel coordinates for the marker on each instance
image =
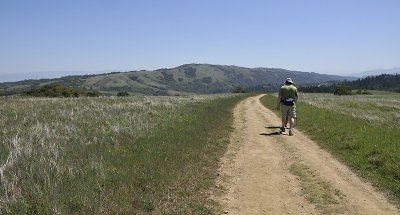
(342, 90)
(366, 93)
(93, 94)
(239, 89)
(122, 93)
(363, 92)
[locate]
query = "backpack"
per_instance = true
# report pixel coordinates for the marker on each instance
(288, 101)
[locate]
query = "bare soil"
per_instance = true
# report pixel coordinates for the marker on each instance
(264, 172)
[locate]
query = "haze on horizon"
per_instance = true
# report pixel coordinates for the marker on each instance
(335, 37)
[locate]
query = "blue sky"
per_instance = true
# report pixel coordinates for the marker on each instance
(75, 36)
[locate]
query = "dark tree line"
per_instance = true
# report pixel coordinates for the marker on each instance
(58, 90)
(318, 88)
(384, 82)
(262, 88)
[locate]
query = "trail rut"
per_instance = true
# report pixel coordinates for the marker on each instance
(267, 173)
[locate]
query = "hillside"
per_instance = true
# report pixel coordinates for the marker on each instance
(188, 78)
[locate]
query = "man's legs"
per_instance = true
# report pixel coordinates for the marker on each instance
(292, 115)
(287, 120)
(291, 123)
(283, 121)
(285, 113)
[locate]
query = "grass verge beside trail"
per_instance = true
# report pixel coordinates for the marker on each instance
(370, 149)
(178, 165)
(106, 155)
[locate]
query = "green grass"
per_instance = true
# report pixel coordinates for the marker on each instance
(316, 190)
(130, 155)
(380, 108)
(369, 147)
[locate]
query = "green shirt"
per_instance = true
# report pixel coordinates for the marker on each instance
(288, 91)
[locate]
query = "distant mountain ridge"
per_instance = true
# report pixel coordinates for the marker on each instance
(376, 72)
(188, 78)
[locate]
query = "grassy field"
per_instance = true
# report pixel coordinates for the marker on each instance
(381, 108)
(363, 131)
(131, 155)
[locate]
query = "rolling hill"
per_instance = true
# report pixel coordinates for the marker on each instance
(188, 78)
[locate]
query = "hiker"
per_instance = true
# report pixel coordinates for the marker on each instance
(286, 101)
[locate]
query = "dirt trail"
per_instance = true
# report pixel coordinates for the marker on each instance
(267, 173)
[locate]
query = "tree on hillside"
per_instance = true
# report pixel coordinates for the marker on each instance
(239, 89)
(122, 93)
(342, 90)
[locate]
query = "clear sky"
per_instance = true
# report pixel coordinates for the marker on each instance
(326, 36)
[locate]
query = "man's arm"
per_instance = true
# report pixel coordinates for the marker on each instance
(278, 102)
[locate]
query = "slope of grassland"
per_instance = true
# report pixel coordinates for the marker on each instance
(111, 155)
(363, 131)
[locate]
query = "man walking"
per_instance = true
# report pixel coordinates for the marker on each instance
(286, 101)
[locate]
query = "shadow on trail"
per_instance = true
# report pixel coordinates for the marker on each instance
(271, 134)
(273, 127)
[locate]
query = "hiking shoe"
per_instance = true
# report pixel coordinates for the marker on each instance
(290, 133)
(282, 129)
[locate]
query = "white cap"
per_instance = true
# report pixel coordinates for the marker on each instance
(289, 80)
